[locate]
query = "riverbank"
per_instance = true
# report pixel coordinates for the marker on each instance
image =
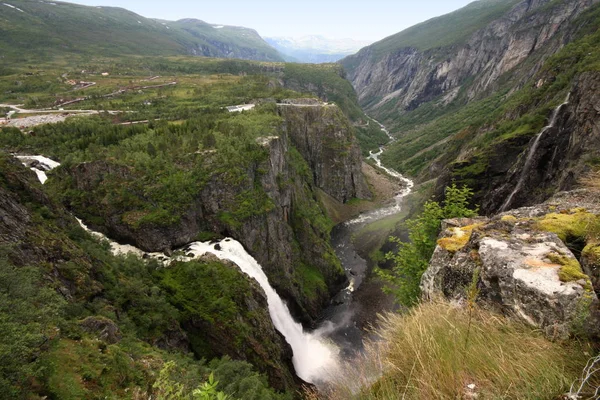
(383, 187)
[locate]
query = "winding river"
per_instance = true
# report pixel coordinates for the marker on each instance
(317, 354)
(341, 320)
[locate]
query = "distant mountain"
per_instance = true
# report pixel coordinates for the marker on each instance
(467, 95)
(315, 49)
(51, 27)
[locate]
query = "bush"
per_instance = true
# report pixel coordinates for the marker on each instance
(412, 259)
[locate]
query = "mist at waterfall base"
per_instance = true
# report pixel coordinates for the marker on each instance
(314, 358)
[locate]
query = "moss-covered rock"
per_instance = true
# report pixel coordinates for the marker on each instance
(459, 237)
(525, 269)
(569, 224)
(590, 261)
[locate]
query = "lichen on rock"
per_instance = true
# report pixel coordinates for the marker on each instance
(526, 269)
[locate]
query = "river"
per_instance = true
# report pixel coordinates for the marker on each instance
(342, 321)
(317, 354)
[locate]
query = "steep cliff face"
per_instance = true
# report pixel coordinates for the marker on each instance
(36, 232)
(562, 155)
(326, 141)
(409, 75)
(269, 205)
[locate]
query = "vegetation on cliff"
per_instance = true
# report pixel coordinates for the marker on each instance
(78, 322)
(412, 258)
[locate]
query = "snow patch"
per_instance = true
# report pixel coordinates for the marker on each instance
(218, 27)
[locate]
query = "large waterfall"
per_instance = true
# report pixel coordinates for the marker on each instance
(314, 358)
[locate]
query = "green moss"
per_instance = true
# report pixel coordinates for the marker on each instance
(592, 253)
(311, 281)
(459, 239)
(509, 218)
(568, 226)
(206, 236)
(570, 270)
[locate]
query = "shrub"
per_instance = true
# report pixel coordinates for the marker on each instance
(412, 259)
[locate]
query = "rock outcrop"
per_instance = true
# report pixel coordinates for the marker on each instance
(324, 137)
(525, 266)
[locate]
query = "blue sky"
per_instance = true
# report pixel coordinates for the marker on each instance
(361, 20)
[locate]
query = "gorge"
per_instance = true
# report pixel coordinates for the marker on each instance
(246, 229)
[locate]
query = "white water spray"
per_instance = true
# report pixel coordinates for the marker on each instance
(39, 164)
(314, 359)
(532, 150)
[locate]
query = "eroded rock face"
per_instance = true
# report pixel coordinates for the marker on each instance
(522, 271)
(410, 77)
(324, 137)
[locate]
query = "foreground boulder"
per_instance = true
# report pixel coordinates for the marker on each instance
(525, 268)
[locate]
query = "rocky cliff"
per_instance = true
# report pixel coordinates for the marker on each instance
(555, 159)
(326, 141)
(270, 206)
(395, 74)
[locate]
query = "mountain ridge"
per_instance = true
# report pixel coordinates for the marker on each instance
(58, 28)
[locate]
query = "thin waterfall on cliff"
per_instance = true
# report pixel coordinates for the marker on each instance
(532, 151)
(313, 358)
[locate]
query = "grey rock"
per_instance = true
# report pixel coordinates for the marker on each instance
(106, 329)
(518, 276)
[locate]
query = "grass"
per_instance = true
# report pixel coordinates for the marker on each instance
(437, 350)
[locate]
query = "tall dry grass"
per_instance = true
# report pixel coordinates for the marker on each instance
(439, 351)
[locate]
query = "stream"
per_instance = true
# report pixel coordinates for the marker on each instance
(341, 320)
(316, 355)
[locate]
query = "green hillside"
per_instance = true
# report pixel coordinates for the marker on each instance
(43, 29)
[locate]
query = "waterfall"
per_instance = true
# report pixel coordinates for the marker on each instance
(39, 164)
(314, 359)
(532, 150)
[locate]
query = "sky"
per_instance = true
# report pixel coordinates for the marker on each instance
(360, 20)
